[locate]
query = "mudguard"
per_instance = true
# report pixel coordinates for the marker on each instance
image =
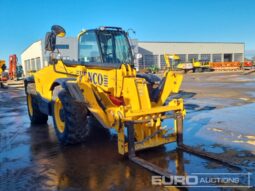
(28, 80)
(62, 82)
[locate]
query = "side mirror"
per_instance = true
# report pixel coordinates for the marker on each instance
(50, 37)
(50, 41)
(58, 30)
(138, 56)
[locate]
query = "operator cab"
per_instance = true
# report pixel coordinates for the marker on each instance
(105, 46)
(110, 47)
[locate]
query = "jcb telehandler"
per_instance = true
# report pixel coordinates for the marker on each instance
(105, 84)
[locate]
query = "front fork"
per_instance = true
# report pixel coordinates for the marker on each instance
(145, 164)
(131, 134)
(180, 146)
(130, 145)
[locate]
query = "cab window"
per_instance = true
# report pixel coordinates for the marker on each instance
(88, 48)
(115, 47)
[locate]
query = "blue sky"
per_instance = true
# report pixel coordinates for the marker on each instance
(25, 21)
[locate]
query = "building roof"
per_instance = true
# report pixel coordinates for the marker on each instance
(191, 42)
(30, 46)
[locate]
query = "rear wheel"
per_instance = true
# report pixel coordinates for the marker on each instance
(69, 117)
(35, 115)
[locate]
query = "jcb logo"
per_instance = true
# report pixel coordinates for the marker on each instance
(96, 78)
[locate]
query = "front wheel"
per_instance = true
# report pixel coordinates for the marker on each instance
(70, 118)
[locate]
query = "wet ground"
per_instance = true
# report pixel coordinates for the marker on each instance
(220, 119)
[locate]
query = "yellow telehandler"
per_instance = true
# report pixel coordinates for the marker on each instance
(103, 82)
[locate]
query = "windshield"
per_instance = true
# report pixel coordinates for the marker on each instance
(114, 47)
(88, 48)
(107, 46)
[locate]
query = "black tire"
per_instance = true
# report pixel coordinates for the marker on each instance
(35, 115)
(74, 117)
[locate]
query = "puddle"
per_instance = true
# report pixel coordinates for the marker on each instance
(227, 125)
(32, 159)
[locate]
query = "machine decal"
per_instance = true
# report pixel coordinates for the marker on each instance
(97, 78)
(105, 80)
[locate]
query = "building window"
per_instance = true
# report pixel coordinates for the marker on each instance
(192, 56)
(162, 62)
(227, 57)
(27, 65)
(238, 57)
(32, 64)
(216, 57)
(62, 46)
(182, 57)
(205, 57)
(38, 63)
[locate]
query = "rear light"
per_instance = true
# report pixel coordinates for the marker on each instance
(116, 101)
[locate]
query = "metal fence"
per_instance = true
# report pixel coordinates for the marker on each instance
(158, 61)
(147, 61)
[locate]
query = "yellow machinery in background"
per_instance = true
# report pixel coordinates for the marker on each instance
(200, 65)
(2, 69)
(175, 63)
(172, 61)
(2, 66)
(104, 83)
(196, 66)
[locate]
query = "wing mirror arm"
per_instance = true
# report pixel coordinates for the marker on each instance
(50, 37)
(50, 44)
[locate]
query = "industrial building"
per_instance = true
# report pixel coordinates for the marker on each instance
(34, 57)
(153, 52)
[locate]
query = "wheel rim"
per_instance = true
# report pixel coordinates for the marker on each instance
(29, 104)
(58, 109)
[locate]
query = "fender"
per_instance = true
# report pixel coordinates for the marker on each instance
(69, 85)
(62, 82)
(28, 80)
